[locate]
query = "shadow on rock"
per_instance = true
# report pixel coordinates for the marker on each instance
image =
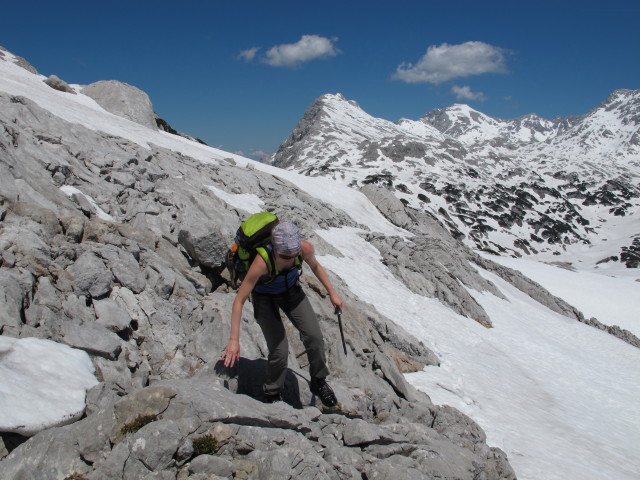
(248, 376)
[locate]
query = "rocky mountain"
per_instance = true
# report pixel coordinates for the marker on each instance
(111, 237)
(111, 244)
(522, 186)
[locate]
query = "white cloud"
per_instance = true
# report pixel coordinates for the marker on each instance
(249, 54)
(309, 47)
(259, 153)
(444, 62)
(465, 93)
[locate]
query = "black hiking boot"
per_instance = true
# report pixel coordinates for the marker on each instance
(321, 388)
(271, 397)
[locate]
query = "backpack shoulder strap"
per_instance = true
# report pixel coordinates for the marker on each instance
(269, 258)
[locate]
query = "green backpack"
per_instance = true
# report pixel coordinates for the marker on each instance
(253, 238)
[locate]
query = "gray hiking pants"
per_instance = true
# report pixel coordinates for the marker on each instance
(295, 304)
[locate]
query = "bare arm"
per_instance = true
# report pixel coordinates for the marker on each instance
(308, 253)
(231, 353)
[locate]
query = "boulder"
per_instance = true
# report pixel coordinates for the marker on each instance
(123, 100)
(15, 288)
(94, 339)
(57, 84)
(111, 316)
(90, 276)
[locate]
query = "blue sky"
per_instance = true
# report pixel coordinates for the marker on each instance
(240, 74)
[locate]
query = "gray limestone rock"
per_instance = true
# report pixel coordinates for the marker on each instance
(360, 433)
(94, 339)
(124, 267)
(212, 465)
(458, 428)
(57, 84)
(90, 276)
(15, 287)
(291, 462)
(111, 316)
(135, 293)
(21, 62)
(51, 454)
(155, 445)
(206, 247)
(123, 100)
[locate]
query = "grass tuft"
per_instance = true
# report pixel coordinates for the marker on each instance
(137, 424)
(205, 445)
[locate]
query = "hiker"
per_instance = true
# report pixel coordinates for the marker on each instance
(269, 294)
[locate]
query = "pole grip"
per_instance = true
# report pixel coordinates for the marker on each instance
(338, 312)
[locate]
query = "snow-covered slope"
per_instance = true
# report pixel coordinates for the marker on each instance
(523, 186)
(473, 128)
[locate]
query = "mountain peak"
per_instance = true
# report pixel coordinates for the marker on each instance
(623, 94)
(337, 98)
(459, 120)
(626, 102)
(334, 121)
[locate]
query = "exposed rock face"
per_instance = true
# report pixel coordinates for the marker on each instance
(434, 264)
(124, 100)
(21, 62)
(247, 439)
(109, 248)
(165, 127)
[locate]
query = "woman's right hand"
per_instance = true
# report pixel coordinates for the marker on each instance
(231, 354)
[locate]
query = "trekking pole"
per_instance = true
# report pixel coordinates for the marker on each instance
(339, 314)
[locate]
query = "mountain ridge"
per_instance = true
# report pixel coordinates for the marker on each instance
(522, 186)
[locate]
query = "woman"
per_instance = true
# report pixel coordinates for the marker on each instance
(269, 294)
